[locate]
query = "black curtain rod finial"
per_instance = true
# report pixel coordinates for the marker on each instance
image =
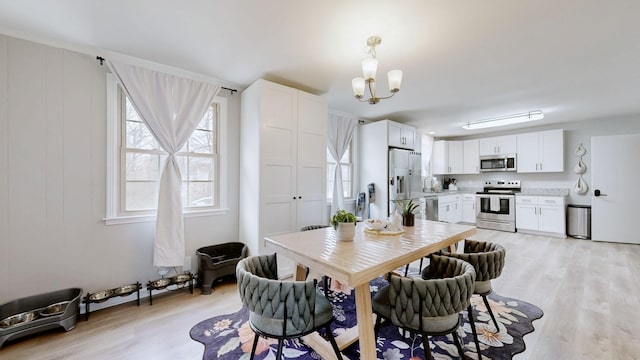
(101, 59)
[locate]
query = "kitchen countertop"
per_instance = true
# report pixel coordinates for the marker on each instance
(526, 191)
(545, 192)
(460, 191)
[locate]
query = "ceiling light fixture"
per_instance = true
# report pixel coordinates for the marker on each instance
(369, 68)
(505, 120)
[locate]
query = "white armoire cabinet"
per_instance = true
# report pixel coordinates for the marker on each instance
(282, 164)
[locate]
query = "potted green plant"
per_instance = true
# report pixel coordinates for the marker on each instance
(407, 209)
(345, 225)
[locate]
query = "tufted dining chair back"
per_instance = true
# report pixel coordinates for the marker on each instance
(281, 309)
(488, 260)
(428, 306)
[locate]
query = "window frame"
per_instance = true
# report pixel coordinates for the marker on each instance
(114, 181)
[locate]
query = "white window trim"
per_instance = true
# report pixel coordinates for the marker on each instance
(113, 216)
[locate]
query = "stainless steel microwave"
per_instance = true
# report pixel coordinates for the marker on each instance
(505, 162)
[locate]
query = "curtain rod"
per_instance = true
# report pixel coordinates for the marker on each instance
(232, 91)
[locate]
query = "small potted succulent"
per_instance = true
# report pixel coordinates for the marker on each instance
(407, 209)
(345, 225)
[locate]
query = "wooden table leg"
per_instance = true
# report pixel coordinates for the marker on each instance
(301, 272)
(365, 322)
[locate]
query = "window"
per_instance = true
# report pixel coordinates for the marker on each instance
(347, 173)
(142, 160)
(136, 162)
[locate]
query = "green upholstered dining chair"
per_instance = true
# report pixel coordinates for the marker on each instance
(428, 306)
(488, 260)
(281, 309)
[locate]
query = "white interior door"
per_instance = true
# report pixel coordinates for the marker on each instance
(615, 173)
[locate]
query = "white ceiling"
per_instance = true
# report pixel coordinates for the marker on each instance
(462, 60)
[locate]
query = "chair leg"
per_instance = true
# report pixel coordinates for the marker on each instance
(427, 349)
(406, 269)
(458, 345)
(486, 303)
(325, 285)
(473, 330)
(376, 329)
(253, 348)
(279, 354)
(332, 340)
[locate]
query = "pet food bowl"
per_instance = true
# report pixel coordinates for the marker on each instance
(100, 296)
(125, 290)
(55, 309)
(18, 319)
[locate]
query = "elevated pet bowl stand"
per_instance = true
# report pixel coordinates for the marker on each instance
(39, 313)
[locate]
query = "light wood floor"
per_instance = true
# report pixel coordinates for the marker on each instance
(588, 291)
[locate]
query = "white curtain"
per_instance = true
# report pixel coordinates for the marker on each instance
(426, 150)
(172, 107)
(340, 132)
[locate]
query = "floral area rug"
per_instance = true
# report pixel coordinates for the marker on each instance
(230, 337)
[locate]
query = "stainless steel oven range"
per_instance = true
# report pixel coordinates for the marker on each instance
(496, 205)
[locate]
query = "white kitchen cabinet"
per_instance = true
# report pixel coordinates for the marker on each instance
(498, 145)
(282, 163)
(401, 135)
(450, 208)
(447, 157)
(541, 214)
(471, 157)
(541, 151)
(469, 208)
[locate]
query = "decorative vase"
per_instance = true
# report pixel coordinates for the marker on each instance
(408, 219)
(346, 231)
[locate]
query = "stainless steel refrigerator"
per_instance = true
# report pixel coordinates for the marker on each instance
(404, 176)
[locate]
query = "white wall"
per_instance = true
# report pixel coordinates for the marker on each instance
(52, 180)
(575, 133)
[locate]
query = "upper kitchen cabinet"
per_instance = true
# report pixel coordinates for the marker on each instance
(282, 162)
(447, 157)
(471, 162)
(498, 145)
(401, 135)
(455, 157)
(541, 151)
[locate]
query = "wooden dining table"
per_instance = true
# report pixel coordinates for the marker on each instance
(355, 263)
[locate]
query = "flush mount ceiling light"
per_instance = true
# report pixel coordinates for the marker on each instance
(505, 120)
(369, 68)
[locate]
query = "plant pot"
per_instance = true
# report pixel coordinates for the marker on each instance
(346, 231)
(408, 219)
